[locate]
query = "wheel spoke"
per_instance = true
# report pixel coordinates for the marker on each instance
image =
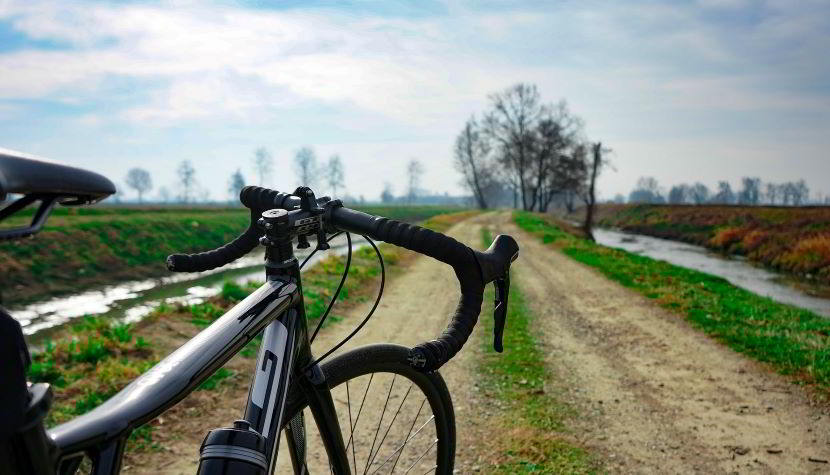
(359, 411)
(408, 437)
(430, 469)
(391, 423)
(380, 421)
(422, 456)
(415, 437)
(351, 426)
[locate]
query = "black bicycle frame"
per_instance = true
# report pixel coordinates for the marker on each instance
(277, 308)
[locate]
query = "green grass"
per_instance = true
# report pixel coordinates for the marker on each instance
(534, 417)
(97, 358)
(794, 341)
(794, 240)
(89, 247)
(214, 380)
(142, 439)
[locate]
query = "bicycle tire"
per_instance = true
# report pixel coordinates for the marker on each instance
(347, 376)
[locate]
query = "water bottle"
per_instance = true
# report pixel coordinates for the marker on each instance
(238, 450)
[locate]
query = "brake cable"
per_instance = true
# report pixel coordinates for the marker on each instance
(339, 287)
(368, 316)
(328, 240)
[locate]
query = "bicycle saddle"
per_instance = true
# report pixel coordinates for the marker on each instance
(26, 175)
(47, 182)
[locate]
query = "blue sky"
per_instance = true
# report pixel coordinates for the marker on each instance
(682, 90)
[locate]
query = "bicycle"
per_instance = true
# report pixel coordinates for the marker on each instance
(287, 378)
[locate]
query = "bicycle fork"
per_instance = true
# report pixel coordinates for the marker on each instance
(284, 340)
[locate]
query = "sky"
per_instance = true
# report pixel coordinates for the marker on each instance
(683, 90)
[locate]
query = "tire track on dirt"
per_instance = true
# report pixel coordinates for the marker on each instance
(657, 395)
(416, 306)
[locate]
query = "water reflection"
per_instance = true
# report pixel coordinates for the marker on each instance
(132, 301)
(735, 270)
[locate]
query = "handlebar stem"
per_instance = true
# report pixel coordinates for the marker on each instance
(277, 239)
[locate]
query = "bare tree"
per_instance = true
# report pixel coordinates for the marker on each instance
(750, 193)
(305, 165)
(511, 125)
(539, 149)
(414, 171)
(646, 191)
(590, 197)
(772, 193)
(335, 175)
(725, 195)
(139, 180)
(678, 194)
(263, 164)
(187, 180)
(560, 160)
(235, 184)
(699, 193)
(472, 152)
(387, 195)
(569, 176)
(801, 193)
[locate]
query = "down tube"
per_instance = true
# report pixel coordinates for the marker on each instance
(269, 388)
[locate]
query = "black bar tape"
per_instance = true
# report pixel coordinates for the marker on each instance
(261, 199)
(202, 261)
(255, 198)
(431, 355)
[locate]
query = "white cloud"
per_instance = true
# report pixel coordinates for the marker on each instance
(727, 4)
(209, 59)
(623, 66)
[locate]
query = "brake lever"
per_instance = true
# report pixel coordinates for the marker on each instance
(502, 286)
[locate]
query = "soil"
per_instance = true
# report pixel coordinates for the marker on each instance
(416, 307)
(653, 394)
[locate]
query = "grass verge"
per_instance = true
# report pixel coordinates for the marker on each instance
(533, 426)
(794, 341)
(100, 245)
(795, 240)
(92, 360)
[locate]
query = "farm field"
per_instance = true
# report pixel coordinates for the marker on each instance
(787, 239)
(87, 247)
(669, 370)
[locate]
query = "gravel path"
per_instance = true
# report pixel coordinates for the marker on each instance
(653, 394)
(656, 395)
(416, 306)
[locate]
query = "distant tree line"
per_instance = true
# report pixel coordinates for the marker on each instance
(752, 191)
(330, 176)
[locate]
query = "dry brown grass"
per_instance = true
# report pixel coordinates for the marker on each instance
(789, 239)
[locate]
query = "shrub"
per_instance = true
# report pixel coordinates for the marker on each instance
(808, 255)
(726, 237)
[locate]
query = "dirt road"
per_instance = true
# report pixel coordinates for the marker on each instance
(655, 395)
(415, 307)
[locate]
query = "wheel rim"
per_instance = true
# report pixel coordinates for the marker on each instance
(391, 423)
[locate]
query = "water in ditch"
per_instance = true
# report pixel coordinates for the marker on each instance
(737, 271)
(132, 300)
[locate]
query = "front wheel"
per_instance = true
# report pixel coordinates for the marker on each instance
(393, 418)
